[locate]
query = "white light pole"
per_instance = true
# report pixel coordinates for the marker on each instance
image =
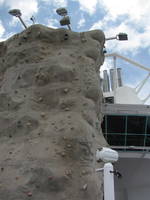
(120, 36)
(17, 13)
(108, 156)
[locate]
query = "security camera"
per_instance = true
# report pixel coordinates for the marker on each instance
(106, 155)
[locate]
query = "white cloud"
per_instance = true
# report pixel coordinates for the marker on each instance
(2, 29)
(6, 36)
(52, 23)
(56, 3)
(81, 22)
(88, 6)
(135, 22)
(135, 9)
(1, 1)
(108, 64)
(136, 40)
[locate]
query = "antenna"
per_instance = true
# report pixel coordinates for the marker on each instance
(32, 19)
(17, 13)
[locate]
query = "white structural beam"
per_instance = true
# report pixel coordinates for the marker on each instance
(128, 60)
(142, 84)
(146, 98)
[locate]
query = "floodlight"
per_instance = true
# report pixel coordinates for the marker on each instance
(17, 13)
(62, 11)
(65, 20)
(120, 36)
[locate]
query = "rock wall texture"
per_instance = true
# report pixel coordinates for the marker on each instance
(50, 115)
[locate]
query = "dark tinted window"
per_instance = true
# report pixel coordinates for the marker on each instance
(136, 124)
(103, 125)
(148, 140)
(115, 124)
(116, 140)
(135, 140)
(148, 126)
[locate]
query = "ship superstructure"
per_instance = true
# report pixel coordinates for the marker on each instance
(126, 127)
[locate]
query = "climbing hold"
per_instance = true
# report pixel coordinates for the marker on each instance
(19, 77)
(24, 37)
(63, 154)
(69, 145)
(28, 124)
(43, 114)
(50, 178)
(66, 90)
(29, 194)
(37, 75)
(16, 91)
(82, 35)
(68, 172)
(2, 169)
(40, 99)
(67, 109)
(19, 124)
(83, 172)
(85, 186)
(66, 36)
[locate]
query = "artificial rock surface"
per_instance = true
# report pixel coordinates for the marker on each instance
(50, 115)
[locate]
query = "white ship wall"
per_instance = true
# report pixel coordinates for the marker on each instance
(135, 181)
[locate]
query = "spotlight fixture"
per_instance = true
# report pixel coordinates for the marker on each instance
(17, 13)
(120, 36)
(62, 11)
(66, 19)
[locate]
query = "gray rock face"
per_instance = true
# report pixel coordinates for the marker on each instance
(50, 115)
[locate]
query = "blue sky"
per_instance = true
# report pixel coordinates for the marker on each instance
(111, 16)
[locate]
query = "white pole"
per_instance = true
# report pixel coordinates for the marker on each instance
(109, 193)
(115, 78)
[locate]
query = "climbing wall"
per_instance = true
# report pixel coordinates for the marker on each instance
(50, 115)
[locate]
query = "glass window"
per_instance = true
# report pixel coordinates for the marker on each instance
(115, 124)
(148, 126)
(136, 124)
(116, 140)
(135, 140)
(103, 125)
(148, 140)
